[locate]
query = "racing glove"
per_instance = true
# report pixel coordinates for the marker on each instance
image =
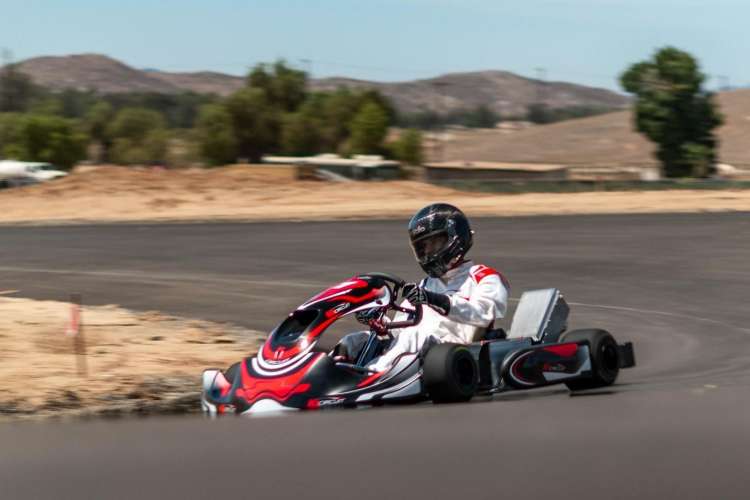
(416, 295)
(368, 315)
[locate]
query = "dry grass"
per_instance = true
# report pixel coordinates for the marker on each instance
(134, 360)
(601, 140)
(242, 193)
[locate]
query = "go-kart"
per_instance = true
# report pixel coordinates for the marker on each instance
(291, 371)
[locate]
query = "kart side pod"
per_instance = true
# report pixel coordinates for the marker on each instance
(546, 364)
(585, 359)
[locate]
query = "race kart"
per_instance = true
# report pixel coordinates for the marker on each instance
(291, 371)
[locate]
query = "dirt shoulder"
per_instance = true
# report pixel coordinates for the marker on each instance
(136, 363)
(112, 194)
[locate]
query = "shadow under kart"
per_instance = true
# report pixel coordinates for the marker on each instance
(290, 372)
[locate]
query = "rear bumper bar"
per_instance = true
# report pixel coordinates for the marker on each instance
(626, 355)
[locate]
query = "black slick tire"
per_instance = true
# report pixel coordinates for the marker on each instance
(605, 362)
(450, 373)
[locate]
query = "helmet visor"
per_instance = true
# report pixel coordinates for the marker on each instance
(429, 246)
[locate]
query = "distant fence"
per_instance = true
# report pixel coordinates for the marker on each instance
(575, 176)
(573, 186)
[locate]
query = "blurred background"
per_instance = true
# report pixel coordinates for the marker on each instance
(467, 91)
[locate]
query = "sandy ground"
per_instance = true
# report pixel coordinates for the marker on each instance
(135, 363)
(244, 193)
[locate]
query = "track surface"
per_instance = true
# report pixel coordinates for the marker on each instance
(677, 426)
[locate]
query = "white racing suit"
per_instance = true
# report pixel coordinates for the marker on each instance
(478, 296)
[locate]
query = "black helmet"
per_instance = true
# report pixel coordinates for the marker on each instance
(440, 237)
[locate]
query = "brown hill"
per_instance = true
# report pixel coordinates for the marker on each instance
(106, 75)
(504, 92)
(201, 82)
(601, 140)
(91, 72)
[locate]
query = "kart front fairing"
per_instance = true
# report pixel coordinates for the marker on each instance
(290, 373)
(301, 330)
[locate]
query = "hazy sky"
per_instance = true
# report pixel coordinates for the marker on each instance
(585, 41)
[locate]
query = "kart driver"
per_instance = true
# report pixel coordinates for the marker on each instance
(461, 300)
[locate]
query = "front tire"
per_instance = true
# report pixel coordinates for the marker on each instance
(450, 373)
(605, 358)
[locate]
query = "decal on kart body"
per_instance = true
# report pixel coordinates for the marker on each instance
(339, 292)
(554, 377)
(279, 387)
(322, 403)
(412, 386)
(335, 291)
(401, 381)
(541, 365)
(216, 393)
(332, 304)
(405, 365)
(404, 379)
(275, 370)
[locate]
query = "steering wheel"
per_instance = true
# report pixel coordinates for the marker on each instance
(396, 285)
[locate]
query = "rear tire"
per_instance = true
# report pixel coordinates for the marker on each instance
(450, 373)
(605, 358)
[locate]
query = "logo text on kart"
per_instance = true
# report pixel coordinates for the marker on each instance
(340, 308)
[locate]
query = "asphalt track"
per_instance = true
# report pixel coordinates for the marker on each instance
(677, 426)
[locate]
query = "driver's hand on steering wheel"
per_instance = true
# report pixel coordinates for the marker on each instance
(417, 295)
(368, 315)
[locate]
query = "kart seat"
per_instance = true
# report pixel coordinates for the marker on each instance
(541, 315)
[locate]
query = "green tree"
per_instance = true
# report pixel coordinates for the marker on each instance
(139, 137)
(308, 131)
(408, 147)
(673, 110)
(10, 132)
(368, 129)
(481, 117)
(152, 150)
(372, 95)
(255, 121)
(539, 113)
(42, 138)
(16, 89)
(97, 122)
(285, 87)
(156, 146)
(135, 123)
(337, 110)
(76, 103)
(215, 136)
(300, 135)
